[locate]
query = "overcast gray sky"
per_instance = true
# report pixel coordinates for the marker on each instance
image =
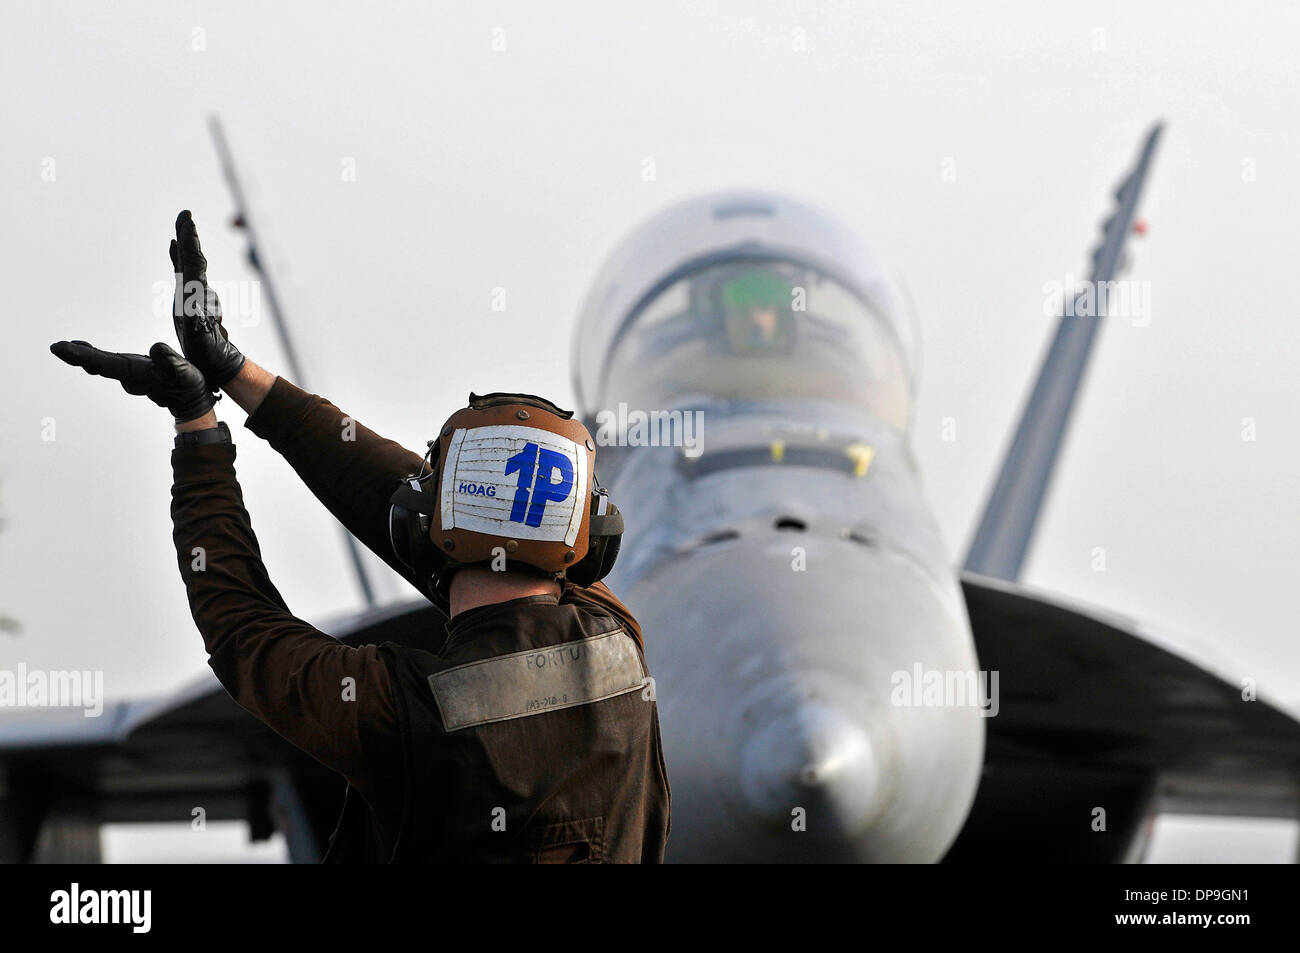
(518, 168)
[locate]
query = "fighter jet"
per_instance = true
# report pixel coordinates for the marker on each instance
(832, 685)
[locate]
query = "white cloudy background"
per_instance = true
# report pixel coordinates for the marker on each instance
(519, 168)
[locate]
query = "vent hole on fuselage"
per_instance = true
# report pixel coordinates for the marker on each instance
(790, 523)
(722, 536)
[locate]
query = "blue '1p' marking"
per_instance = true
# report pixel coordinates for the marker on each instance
(525, 462)
(537, 469)
(547, 489)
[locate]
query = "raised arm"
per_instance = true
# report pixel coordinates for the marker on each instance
(350, 468)
(331, 700)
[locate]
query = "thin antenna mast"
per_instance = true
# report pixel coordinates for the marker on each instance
(244, 221)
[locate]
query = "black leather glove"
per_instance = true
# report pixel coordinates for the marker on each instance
(196, 310)
(163, 376)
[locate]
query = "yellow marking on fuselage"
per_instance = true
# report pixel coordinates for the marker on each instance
(860, 454)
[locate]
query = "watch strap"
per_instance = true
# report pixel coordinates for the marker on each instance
(198, 438)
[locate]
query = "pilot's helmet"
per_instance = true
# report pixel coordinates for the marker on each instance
(752, 303)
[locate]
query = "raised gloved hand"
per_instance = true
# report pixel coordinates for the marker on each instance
(196, 310)
(163, 376)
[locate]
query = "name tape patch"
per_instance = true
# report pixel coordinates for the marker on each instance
(537, 680)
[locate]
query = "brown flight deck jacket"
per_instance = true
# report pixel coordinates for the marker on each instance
(450, 752)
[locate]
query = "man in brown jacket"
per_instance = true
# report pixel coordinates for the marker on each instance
(527, 730)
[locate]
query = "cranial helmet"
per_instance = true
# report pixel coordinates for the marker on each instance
(511, 483)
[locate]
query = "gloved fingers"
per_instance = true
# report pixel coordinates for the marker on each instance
(91, 359)
(167, 363)
(131, 370)
(69, 352)
(196, 303)
(193, 265)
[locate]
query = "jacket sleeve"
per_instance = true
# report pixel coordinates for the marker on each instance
(329, 699)
(350, 468)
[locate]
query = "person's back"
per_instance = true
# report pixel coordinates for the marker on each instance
(544, 708)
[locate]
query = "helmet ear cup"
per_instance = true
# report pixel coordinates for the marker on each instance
(399, 531)
(586, 572)
(602, 550)
(409, 522)
(608, 556)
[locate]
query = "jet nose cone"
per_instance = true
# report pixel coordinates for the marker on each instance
(817, 760)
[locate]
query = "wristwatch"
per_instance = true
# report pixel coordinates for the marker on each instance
(197, 438)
